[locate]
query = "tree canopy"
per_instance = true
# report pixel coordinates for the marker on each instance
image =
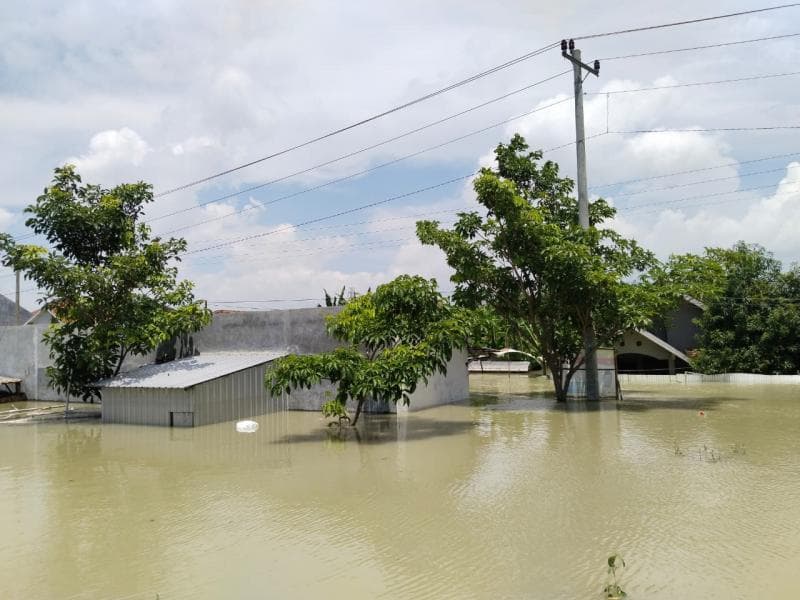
(394, 338)
(752, 319)
(113, 288)
(527, 258)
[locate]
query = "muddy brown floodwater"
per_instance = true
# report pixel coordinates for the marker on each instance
(509, 496)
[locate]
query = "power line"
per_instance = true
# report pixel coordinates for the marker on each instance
(260, 258)
(365, 222)
(375, 117)
(396, 160)
(334, 215)
(331, 238)
(453, 86)
(719, 45)
(714, 180)
(352, 175)
(687, 22)
(702, 196)
(689, 171)
(261, 204)
(694, 84)
(705, 129)
(424, 150)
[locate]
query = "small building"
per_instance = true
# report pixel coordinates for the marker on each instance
(199, 390)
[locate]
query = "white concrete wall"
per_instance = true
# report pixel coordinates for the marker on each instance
(737, 378)
(25, 356)
(440, 389)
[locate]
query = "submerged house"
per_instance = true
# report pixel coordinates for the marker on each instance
(664, 349)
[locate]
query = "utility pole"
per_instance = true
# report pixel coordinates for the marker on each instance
(17, 319)
(578, 67)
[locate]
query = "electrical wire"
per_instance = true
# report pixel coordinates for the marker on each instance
(335, 215)
(694, 84)
(458, 84)
(355, 223)
(366, 120)
(636, 207)
(705, 129)
(718, 45)
(699, 170)
(416, 153)
(419, 152)
(686, 22)
(714, 180)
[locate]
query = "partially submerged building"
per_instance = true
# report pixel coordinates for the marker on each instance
(664, 349)
(198, 390)
(224, 381)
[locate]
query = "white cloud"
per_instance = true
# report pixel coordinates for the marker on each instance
(181, 90)
(112, 148)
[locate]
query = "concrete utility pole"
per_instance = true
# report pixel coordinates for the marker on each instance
(574, 56)
(17, 318)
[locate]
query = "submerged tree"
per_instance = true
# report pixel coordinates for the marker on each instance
(113, 288)
(397, 336)
(529, 260)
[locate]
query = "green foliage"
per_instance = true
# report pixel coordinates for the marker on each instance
(113, 288)
(395, 337)
(543, 275)
(612, 589)
(752, 320)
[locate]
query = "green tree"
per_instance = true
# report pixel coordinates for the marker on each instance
(752, 320)
(394, 337)
(113, 288)
(529, 260)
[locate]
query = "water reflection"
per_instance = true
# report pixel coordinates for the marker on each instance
(510, 495)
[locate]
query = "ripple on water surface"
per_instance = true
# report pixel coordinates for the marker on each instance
(507, 496)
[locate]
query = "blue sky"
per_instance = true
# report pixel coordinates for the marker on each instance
(168, 92)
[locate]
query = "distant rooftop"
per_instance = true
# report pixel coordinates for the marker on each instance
(188, 372)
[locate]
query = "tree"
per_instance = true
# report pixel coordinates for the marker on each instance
(335, 300)
(529, 260)
(113, 288)
(394, 337)
(752, 317)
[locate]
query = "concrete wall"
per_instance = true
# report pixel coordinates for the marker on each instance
(690, 378)
(25, 356)
(440, 389)
(300, 331)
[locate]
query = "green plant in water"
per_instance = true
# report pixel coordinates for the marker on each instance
(612, 590)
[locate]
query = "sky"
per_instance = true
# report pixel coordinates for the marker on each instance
(169, 92)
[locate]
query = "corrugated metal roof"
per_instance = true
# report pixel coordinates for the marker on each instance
(187, 372)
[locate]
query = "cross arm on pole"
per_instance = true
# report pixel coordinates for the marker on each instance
(594, 70)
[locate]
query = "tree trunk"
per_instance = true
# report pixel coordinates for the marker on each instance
(359, 406)
(558, 383)
(122, 354)
(66, 404)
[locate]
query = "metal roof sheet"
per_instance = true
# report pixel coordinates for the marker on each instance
(187, 372)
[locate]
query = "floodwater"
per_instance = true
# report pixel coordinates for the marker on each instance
(508, 496)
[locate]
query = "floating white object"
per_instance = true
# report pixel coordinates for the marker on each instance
(246, 426)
